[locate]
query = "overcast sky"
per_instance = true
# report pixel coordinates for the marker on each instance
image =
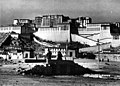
(98, 10)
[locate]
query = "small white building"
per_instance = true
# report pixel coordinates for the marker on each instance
(8, 29)
(108, 56)
(20, 21)
(68, 54)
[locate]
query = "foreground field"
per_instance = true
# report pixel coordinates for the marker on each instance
(9, 78)
(16, 80)
(110, 67)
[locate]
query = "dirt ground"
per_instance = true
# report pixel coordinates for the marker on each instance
(9, 78)
(111, 67)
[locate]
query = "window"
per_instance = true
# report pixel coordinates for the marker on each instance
(93, 29)
(116, 37)
(105, 28)
(14, 53)
(26, 55)
(71, 54)
(64, 27)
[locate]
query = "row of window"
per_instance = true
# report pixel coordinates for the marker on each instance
(48, 21)
(105, 28)
(63, 27)
(57, 50)
(53, 29)
(116, 37)
(89, 29)
(93, 29)
(94, 25)
(9, 28)
(81, 29)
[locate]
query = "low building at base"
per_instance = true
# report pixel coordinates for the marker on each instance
(103, 57)
(111, 54)
(68, 54)
(13, 49)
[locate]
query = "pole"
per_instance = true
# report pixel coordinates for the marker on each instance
(98, 52)
(66, 49)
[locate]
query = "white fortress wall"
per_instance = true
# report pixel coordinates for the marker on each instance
(8, 29)
(53, 34)
(94, 35)
(82, 40)
(96, 31)
(92, 31)
(95, 48)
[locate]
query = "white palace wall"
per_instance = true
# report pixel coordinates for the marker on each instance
(7, 29)
(96, 33)
(53, 34)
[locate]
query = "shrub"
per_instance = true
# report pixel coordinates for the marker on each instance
(39, 70)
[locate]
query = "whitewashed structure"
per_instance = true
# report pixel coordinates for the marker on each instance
(108, 56)
(61, 33)
(20, 21)
(7, 29)
(94, 32)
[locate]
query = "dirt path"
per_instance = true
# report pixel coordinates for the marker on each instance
(7, 79)
(15, 80)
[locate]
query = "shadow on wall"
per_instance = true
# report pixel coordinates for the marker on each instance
(86, 55)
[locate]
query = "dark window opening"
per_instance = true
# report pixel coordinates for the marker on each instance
(26, 55)
(71, 54)
(115, 37)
